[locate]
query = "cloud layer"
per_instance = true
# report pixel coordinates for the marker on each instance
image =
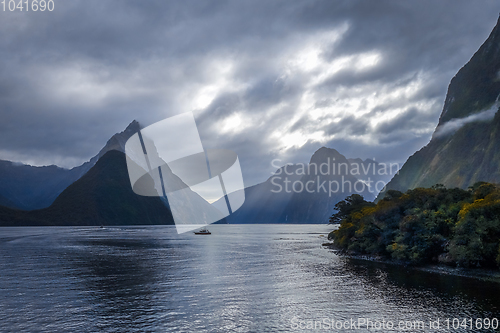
(266, 79)
(454, 125)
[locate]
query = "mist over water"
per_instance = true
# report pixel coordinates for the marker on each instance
(242, 278)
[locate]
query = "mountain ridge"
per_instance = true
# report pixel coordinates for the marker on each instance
(284, 198)
(463, 148)
(35, 187)
(103, 196)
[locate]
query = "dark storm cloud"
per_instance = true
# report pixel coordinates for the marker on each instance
(412, 118)
(268, 79)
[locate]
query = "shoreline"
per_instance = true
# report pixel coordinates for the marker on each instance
(482, 274)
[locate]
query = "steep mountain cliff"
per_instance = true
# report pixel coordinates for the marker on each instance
(464, 148)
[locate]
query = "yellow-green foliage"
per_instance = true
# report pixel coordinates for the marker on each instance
(424, 224)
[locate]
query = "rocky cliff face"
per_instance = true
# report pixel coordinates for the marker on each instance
(477, 85)
(464, 148)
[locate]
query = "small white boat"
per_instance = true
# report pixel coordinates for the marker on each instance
(202, 232)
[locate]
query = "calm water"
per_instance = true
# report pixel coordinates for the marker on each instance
(250, 278)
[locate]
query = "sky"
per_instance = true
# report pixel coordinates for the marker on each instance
(266, 79)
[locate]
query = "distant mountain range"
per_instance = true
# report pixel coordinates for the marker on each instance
(307, 193)
(29, 187)
(100, 193)
(96, 193)
(103, 196)
(464, 148)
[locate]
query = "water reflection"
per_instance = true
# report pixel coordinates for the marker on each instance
(239, 279)
(452, 288)
(119, 278)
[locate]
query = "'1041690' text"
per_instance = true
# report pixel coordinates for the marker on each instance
(27, 5)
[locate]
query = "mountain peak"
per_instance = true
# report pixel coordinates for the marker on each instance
(325, 150)
(134, 126)
(117, 141)
(27, 187)
(321, 155)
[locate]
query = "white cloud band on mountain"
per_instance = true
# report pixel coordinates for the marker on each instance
(454, 125)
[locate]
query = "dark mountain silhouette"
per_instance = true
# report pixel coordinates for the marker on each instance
(103, 196)
(7, 202)
(29, 187)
